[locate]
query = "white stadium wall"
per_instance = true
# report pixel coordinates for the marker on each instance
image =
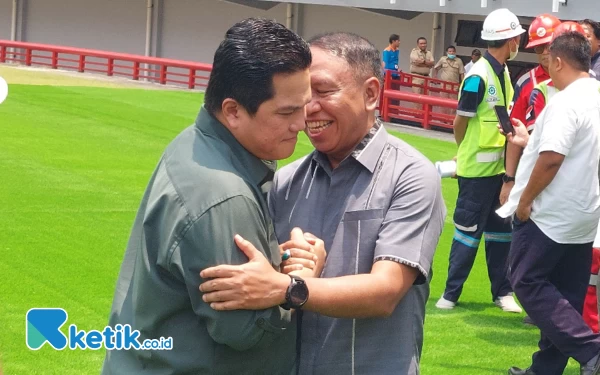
(375, 27)
(5, 18)
(113, 25)
(193, 29)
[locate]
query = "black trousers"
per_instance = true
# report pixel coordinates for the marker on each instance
(474, 217)
(551, 281)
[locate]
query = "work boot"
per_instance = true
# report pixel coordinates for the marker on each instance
(518, 371)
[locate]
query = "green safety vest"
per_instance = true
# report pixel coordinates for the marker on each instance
(481, 153)
(546, 90)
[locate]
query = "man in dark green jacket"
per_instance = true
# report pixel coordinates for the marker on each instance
(210, 185)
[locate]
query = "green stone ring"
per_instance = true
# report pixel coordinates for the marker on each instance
(286, 255)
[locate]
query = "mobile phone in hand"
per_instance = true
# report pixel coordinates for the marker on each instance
(504, 119)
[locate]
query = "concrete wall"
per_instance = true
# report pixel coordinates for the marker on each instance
(193, 29)
(5, 18)
(113, 25)
(375, 27)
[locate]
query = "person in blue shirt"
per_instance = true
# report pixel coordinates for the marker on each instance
(391, 55)
(592, 31)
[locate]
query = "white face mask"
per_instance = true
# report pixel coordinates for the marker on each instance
(513, 55)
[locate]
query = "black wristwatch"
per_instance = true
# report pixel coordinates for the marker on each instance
(296, 294)
(506, 179)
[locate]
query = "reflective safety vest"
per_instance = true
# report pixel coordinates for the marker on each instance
(481, 153)
(545, 89)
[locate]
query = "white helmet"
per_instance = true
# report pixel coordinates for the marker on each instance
(501, 24)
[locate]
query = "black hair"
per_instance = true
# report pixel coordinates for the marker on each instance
(573, 48)
(394, 37)
(253, 51)
(451, 47)
(421, 38)
(497, 43)
(360, 54)
(594, 25)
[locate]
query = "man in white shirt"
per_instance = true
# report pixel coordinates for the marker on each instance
(556, 207)
(475, 56)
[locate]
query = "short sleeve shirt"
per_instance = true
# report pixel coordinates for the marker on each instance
(567, 210)
(417, 54)
(450, 69)
(382, 203)
(473, 89)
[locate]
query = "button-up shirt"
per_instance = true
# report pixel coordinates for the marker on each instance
(415, 55)
(450, 69)
(383, 202)
(205, 189)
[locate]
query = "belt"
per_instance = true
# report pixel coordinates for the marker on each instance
(419, 74)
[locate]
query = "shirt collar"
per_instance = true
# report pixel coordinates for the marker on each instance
(498, 68)
(257, 170)
(367, 152)
(595, 57)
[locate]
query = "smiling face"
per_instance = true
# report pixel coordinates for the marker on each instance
(341, 110)
(272, 132)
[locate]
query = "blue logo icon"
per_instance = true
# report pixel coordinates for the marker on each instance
(43, 326)
(492, 90)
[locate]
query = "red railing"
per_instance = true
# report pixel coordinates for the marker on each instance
(136, 67)
(418, 108)
(395, 103)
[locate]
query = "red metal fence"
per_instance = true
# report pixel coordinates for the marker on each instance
(397, 100)
(136, 67)
(400, 102)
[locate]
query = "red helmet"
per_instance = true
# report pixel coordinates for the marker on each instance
(542, 29)
(568, 26)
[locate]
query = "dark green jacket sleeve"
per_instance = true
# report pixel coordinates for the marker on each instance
(207, 242)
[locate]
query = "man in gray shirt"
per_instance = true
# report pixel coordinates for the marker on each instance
(375, 202)
(209, 185)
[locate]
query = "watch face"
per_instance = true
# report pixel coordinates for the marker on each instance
(298, 294)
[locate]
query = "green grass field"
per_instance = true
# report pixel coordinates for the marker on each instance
(74, 162)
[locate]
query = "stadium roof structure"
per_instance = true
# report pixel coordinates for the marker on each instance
(407, 9)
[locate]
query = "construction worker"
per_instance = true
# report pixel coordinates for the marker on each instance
(543, 91)
(541, 32)
(480, 165)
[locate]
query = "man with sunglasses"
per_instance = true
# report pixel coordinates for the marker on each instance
(541, 32)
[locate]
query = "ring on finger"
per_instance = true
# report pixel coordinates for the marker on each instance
(286, 255)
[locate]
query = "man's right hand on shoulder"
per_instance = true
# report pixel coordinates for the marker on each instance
(303, 255)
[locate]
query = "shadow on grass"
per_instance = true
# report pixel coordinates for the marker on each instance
(511, 338)
(473, 369)
(460, 309)
(499, 320)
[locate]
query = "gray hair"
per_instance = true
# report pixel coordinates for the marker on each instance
(360, 54)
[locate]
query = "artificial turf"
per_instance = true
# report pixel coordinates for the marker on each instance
(74, 162)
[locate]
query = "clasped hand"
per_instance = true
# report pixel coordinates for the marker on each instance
(256, 285)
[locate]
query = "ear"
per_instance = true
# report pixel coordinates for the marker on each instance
(372, 90)
(558, 65)
(233, 112)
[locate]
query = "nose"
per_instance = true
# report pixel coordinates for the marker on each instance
(298, 122)
(313, 106)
